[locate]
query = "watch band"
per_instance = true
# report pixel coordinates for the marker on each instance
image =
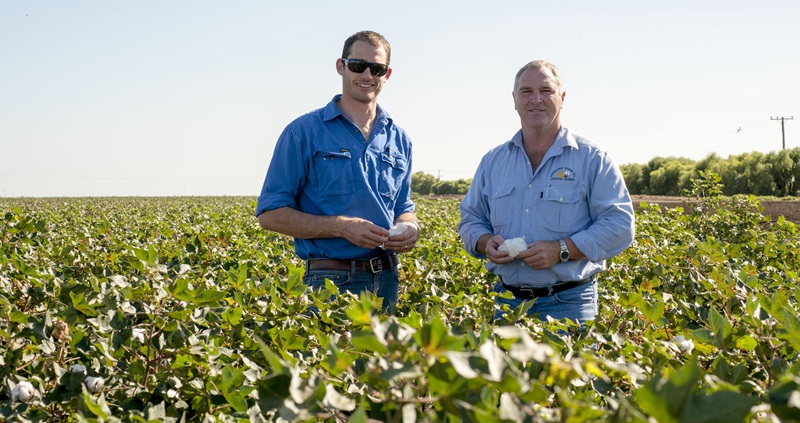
(564, 254)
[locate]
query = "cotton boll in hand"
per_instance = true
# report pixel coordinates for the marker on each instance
(514, 246)
(399, 228)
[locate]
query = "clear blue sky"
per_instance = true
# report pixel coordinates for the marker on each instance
(145, 98)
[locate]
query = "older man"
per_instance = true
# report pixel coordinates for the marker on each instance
(558, 191)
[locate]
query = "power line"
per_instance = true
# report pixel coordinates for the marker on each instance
(783, 132)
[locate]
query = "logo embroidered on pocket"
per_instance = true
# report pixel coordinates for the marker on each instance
(563, 174)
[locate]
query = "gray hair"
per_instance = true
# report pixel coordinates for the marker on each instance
(540, 64)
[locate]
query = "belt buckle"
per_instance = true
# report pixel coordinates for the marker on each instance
(372, 264)
(527, 291)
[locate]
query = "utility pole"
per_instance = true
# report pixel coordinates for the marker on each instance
(783, 132)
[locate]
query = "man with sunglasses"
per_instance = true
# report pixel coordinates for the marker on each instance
(340, 181)
(558, 191)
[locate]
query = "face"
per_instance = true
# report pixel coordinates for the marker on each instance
(538, 99)
(363, 87)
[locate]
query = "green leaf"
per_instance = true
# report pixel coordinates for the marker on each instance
(233, 315)
(365, 340)
(434, 338)
(207, 297)
(721, 327)
(359, 416)
(79, 303)
(98, 409)
(18, 317)
(665, 399)
(718, 407)
(747, 343)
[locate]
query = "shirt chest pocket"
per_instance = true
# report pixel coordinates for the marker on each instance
(501, 206)
(333, 173)
(393, 172)
(562, 209)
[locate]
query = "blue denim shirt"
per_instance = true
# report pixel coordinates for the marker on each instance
(323, 166)
(577, 192)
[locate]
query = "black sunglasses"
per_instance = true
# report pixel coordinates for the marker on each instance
(359, 66)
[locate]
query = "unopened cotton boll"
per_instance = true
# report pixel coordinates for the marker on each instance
(24, 392)
(514, 246)
(95, 384)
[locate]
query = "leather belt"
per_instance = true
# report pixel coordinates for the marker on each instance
(373, 265)
(545, 291)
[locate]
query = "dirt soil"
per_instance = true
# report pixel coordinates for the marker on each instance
(788, 208)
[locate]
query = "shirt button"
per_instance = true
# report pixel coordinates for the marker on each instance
(530, 185)
(526, 210)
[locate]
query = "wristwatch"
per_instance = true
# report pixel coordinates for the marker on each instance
(564, 255)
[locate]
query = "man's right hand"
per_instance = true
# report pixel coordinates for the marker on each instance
(490, 248)
(364, 233)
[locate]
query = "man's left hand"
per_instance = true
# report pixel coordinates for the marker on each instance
(541, 254)
(404, 241)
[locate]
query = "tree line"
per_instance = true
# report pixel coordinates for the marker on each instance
(771, 174)
(425, 184)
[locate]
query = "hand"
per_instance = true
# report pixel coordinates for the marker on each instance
(364, 233)
(404, 241)
(541, 254)
(499, 257)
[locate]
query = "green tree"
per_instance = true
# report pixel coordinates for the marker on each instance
(459, 187)
(783, 169)
(634, 178)
(422, 183)
(672, 177)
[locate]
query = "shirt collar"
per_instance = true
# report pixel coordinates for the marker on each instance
(563, 139)
(332, 111)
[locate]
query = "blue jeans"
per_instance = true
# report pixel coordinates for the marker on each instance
(383, 284)
(579, 303)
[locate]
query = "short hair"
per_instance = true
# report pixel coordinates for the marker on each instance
(371, 37)
(540, 64)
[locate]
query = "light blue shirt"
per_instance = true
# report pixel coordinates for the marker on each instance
(576, 192)
(323, 166)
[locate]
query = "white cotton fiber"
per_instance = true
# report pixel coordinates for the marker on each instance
(514, 246)
(399, 228)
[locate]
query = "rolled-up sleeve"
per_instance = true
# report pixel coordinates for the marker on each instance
(286, 174)
(474, 211)
(404, 203)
